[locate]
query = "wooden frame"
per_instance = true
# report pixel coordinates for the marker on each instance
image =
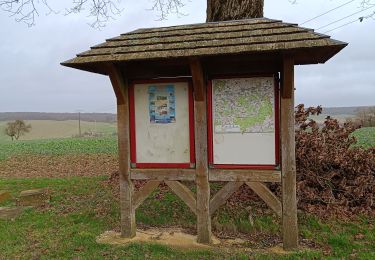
(277, 126)
(202, 204)
(133, 145)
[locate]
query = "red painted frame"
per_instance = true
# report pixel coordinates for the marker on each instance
(133, 145)
(210, 127)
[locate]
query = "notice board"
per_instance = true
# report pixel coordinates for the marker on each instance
(161, 130)
(243, 122)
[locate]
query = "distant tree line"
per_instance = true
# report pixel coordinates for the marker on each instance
(89, 117)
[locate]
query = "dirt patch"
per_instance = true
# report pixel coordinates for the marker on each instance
(175, 237)
(32, 166)
(168, 236)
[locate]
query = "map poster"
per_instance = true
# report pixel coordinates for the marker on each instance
(162, 104)
(243, 105)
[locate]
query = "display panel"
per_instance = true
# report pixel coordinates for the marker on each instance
(243, 122)
(161, 128)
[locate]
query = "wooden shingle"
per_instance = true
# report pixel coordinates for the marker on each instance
(209, 39)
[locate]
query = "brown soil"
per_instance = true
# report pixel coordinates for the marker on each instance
(58, 166)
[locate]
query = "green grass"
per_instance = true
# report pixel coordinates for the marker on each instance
(365, 137)
(82, 208)
(106, 145)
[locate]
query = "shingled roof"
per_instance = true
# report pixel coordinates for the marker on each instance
(205, 39)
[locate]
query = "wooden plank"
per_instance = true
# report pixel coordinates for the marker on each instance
(288, 159)
(198, 79)
(203, 187)
(183, 193)
(128, 226)
(192, 29)
(163, 174)
(318, 45)
(288, 77)
(223, 195)
(206, 43)
(144, 192)
(275, 29)
(245, 175)
(267, 196)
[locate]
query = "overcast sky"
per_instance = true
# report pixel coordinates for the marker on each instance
(31, 78)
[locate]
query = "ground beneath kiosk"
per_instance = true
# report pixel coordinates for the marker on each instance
(175, 237)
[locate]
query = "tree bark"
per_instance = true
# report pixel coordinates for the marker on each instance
(225, 10)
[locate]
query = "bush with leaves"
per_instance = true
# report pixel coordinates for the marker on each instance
(333, 177)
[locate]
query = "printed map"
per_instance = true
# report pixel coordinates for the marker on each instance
(243, 105)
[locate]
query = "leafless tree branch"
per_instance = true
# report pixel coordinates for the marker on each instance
(100, 11)
(167, 7)
(366, 4)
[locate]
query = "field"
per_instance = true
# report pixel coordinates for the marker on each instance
(48, 129)
(365, 137)
(83, 205)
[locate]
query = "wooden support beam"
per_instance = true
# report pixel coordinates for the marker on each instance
(128, 227)
(288, 159)
(198, 80)
(163, 174)
(244, 175)
(144, 192)
(183, 193)
(267, 196)
(203, 187)
(223, 195)
(288, 78)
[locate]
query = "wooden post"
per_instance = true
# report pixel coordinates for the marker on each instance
(128, 227)
(288, 160)
(203, 187)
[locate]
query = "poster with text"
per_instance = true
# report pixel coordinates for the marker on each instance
(162, 104)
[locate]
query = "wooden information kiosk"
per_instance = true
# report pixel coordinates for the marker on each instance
(208, 102)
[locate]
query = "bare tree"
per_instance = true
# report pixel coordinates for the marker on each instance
(102, 11)
(16, 129)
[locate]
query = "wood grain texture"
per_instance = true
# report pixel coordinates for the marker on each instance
(244, 37)
(219, 10)
(288, 77)
(288, 161)
(223, 195)
(163, 174)
(244, 175)
(204, 43)
(183, 193)
(128, 226)
(203, 187)
(267, 196)
(198, 79)
(144, 192)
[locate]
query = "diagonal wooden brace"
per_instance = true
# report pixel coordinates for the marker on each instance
(223, 195)
(267, 196)
(144, 192)
(183, 193)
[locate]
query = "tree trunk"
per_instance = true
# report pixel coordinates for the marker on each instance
(225, 10)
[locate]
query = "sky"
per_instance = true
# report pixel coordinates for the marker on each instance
(32, 79)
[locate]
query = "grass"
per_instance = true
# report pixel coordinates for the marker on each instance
(365, 137)
(82, 208)
(106, 145)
